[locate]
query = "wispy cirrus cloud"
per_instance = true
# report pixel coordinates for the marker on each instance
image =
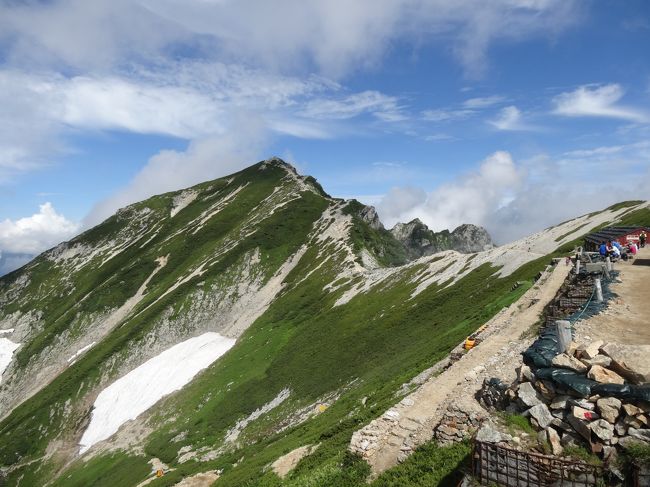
(597, 101)
(382, 106)
(484, 101)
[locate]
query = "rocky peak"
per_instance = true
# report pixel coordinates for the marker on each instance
(369, 215)
(419, 240)
(471, 238)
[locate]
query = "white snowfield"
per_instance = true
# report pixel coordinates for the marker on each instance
(144, 386)
(7, 348)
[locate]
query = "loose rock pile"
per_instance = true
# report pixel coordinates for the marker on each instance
(604, 404)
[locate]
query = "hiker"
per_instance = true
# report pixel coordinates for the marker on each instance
(632, 248)
(614, 252)
(602, 249)
(642, 238)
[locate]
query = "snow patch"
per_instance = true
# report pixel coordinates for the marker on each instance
(8, 330)
(81, 351)
(144, 386)
(7, 348)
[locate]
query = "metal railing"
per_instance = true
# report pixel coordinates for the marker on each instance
(495, 464)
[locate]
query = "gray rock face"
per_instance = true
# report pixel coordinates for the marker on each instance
(369, 215)
(419, 240)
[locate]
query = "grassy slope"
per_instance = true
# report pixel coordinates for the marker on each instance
(366, 348)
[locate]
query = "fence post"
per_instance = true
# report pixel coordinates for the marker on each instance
(599, 290)
(563, 335)
(577, 266)
(608, 264)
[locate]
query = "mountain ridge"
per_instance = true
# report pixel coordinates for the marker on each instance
(322, 315)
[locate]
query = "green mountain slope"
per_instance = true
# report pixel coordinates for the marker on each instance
(329, 317)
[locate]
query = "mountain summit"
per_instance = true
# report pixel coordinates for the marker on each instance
(212, 330)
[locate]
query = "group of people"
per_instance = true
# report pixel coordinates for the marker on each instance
(615, 250)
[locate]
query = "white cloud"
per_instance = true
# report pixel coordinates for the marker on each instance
(483, 102)
(36, 233)
(205, 158)
(470, 199)
(597, 101)
(513, 200)
(447, 115)
(334, 36)
(438, 137)
(510, 119)
(382, 106)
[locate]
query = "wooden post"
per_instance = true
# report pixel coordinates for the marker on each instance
(577, 266)
(599, 291)
(608, 264)
(563, 335)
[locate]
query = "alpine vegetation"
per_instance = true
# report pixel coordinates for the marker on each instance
(215, 330)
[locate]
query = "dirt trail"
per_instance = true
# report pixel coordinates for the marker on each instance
(410, 423)
(626, 318)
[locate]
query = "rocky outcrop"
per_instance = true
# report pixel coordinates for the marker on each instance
(419, 240)
(369, 215)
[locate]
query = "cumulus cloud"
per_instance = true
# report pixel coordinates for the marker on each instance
(35, 233)
(204, 159)
(470, 199)
(597, 101)
(514, 199)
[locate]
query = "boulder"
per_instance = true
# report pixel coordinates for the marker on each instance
(632, 422)
(561, 425)
(640, 434)
(581, 427)
(528, 395)
(609, 454)
(570, 439)
(566, 361)
(583, 403)
(488, 434)
(604, 376)
(630, 361)
(591, 350)
(554, 440)
(620, 428)
(629, 441)
(602, 429)
(525, 374)
(542, 415)
(559, 402)
(585, 414)
(632, 410)
(609, 408)
(546, 389)
(602, 360)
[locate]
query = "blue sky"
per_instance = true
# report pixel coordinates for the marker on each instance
(512, 114)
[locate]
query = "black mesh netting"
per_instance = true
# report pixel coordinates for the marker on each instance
(575, 301)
